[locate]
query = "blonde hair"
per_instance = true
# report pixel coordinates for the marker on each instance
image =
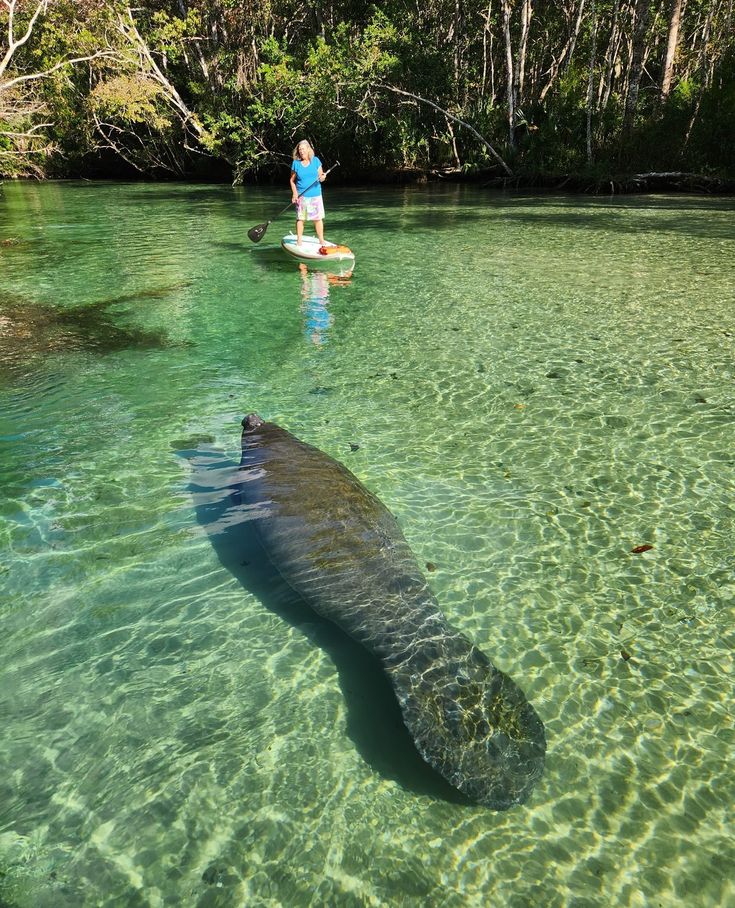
(309, 154)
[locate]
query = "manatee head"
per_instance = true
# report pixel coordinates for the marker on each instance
(251, 422)
(471, 722)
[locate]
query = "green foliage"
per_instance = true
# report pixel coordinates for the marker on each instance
(171, 35)
(683, 94)
(131, 100)
(712, 141)
(321, 94)
(260, 75)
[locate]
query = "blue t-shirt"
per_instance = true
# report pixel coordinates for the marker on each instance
(305, 176)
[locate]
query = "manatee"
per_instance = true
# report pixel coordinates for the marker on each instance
(343, 552)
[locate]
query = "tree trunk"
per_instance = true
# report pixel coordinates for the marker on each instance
(638, 49)
(591, 82)
(458, 16)
(673, 40)
(510, 75)
(487, 57)
(453, 139)
(611, 57)
(705, 75)
(520, 67)
(184, 10)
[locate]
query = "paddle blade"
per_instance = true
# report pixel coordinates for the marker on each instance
(256, 234)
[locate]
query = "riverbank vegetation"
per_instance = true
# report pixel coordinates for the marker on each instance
(621, 92)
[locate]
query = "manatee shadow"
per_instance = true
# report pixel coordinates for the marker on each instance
(231, 245)
(374, 721)
(620, 218)
(271, 255)
(175, 192)
(270, 245)
(446, 208)
(268, 254)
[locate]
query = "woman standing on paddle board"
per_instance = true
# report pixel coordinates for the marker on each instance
(305, 170)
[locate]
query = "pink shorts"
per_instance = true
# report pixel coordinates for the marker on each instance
(311, 209)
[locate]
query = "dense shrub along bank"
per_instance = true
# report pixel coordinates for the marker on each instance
(528, 91)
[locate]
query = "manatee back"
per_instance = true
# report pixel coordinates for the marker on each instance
(332, 540)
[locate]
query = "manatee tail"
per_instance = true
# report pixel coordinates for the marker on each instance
(471, 722)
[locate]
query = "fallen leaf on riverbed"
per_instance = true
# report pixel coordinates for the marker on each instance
(641, 548)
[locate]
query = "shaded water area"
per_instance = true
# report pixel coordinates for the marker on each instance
(540, 390)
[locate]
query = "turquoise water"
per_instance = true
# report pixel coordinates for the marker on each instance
(534, 386)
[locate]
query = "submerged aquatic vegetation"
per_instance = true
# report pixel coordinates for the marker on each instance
(29, 329)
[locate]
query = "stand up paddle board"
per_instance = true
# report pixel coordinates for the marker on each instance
(311, 250)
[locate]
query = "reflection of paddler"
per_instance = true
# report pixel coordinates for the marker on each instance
(315, 296)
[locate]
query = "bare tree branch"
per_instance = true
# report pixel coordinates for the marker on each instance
(18, 80)
(566, 52)
(28, 133)
(446, 113)
(13, 45)
(129, 31)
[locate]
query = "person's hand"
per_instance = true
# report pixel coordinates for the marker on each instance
(322, 177)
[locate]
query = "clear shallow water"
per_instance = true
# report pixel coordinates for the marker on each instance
(536, 387)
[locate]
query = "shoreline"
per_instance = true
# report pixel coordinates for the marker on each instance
(653, 183)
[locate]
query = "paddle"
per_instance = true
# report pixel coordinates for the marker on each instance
(257, 233)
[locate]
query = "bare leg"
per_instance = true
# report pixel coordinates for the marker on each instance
(299, 231)
(319, 227)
